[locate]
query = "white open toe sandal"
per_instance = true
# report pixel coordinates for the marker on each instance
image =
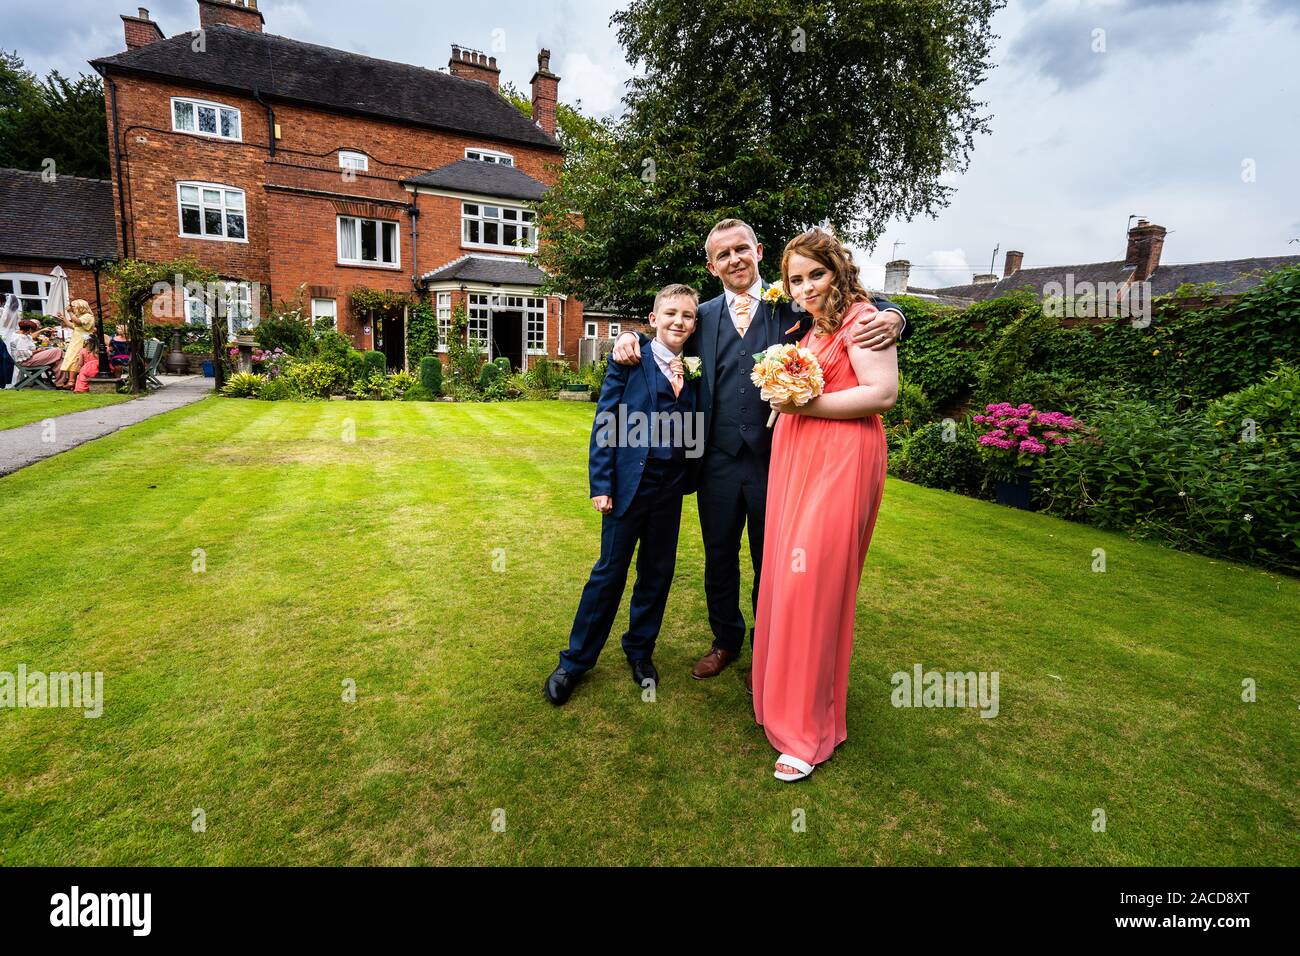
(803, 768)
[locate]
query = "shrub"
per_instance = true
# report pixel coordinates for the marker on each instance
(943, 455)
(1157, 472)
(547, 376)
(418, 393)
(315, 379)
(275, 390)
(421, 333)
(375, 363)
(1014, 436)
(431, 374)
(332, 347)
(287, 331)
(593, 375)
(1268, 407)
(488, 375)
(912, 410)
(399, 383)
(243, 385)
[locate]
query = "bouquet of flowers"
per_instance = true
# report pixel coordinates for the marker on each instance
(787, 373)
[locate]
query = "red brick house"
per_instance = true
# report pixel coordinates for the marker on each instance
(300, 173)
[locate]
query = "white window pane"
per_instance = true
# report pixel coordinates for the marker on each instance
(207, 119)
(189, 194)
(183, 115)
(230, 123)
(348, 239)
(212, 196)
(234, 199)
(471, 209)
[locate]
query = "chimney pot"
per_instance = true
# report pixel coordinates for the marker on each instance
(144, 14)
(896, 275)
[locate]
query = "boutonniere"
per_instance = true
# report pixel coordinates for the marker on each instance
(775, 295)
(692, 365)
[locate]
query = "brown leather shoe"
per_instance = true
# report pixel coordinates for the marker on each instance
(712, 663)
(749, 681)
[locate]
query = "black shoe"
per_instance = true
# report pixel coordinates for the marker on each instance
(559, 686)
(643, 671)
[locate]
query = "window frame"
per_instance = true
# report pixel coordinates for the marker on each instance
(334, 310)
(591, 329)
(210, 104)
(496, 155)
(43, 285)
(353, 154)
(203, 207)
(231, 314)
(500, 221)
(615, 330)
(442, 300)
(395, 265)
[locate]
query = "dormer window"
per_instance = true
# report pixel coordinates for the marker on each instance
(349, 159)
(490, 156)
(203, 118)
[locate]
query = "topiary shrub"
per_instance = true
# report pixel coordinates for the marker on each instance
(375, 363)
(431, 374)
(488, 374)
(943, 455)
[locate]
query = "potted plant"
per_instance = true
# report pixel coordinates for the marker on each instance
(1014, 438)
(196, 353)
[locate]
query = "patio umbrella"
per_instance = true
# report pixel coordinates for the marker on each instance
(57, 303)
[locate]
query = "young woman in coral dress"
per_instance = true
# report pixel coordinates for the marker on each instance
(825, 482)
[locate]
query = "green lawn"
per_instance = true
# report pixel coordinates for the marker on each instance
(35, 405)
(372, 560)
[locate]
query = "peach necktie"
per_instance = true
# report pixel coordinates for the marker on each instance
(740, 305)
(675, 365)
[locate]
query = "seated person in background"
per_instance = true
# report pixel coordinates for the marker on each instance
(25, 351)
(119, 349)
(89, 368)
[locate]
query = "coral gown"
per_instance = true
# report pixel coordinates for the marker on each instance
(824, 488)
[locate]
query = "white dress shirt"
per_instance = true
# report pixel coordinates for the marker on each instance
(663, 355)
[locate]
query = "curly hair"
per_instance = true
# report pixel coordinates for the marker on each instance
(823, 246)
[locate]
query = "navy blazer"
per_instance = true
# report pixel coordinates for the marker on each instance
(784, 325)
(616, 470)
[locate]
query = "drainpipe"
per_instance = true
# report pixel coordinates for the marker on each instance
(117, 155)
(413, 210)
(270, 119)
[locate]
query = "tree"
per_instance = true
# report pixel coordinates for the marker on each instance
(787, 113)
(57, 119)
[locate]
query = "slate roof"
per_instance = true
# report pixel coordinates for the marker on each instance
(503, 271)
(65, 219)
(293, 71)
(1232, 276)
(484, 179)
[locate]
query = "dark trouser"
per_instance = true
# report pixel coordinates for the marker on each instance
(732, 493)
(653, 519)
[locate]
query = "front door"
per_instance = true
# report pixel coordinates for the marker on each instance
(508, 337)
(390, 338)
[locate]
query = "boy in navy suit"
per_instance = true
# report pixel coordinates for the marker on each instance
(646, 428)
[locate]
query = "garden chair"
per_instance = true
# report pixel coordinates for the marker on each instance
(153, 354)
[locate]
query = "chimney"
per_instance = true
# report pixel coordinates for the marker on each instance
(896, 274)
(1145, 243)
(985, 278)
(472, 65)
(546, 92)
(1012, 263)
(140, 30)
(241, 14)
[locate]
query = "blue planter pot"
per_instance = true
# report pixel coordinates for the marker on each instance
(208, 371)
(1017, 491)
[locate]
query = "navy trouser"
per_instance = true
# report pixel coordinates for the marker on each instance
(731, 496)
(652, 520)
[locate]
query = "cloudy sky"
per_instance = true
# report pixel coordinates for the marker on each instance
(1181, 111)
